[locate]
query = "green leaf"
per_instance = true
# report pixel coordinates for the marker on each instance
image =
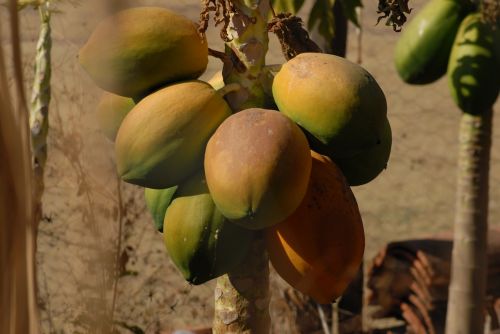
(349, 9)
(322, 17)
(288, 6)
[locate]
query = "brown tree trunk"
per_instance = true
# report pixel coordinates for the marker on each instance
(469, 262)
(242, 296)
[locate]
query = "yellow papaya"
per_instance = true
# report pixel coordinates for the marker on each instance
(336, 101)
(200, 241)
(162, 139)
(111, 111)
(318, 249)
(141, 49)
(257, 166)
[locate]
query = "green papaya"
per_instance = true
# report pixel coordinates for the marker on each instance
(365, 165)
(200, 241)
(157, 202)
(334, 100)
(162, 139)
(111, 111)
(423, 49)
(473, 70)
(141, 49)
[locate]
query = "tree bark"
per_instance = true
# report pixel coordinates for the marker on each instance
(242, 296)
(469, 262)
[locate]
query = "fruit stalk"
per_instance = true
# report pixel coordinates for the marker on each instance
(242, 296)
(466, 302)
(39, 107)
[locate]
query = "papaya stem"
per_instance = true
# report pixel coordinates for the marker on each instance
(229, 88)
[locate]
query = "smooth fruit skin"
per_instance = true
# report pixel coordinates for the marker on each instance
(364, 166)
(474, 71)
(162, 140)
(422, 51)
(157, 202)
(336, 101)
(140, 49)
(257, 166)
(319, 248)
(111, 111)
(200, 241)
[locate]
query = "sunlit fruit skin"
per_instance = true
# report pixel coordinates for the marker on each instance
(157, 202)
(200, 241)
(362, 166)
(257, 166)
(422, 51)
(162, 140)
(140, 49)
(474, 71)
(319, 248)
(111, 111)
(336, 101)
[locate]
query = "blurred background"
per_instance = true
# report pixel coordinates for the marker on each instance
(92, 221)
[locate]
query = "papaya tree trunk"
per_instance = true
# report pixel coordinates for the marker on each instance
(242, 296)
(465, 312)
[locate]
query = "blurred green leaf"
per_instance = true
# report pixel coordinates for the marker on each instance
(349, 9)
(287, 6)
(322, 18)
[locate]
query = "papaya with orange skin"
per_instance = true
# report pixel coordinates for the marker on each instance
(319, 248)
(257, 166)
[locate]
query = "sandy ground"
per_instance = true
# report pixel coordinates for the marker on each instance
(84, 202)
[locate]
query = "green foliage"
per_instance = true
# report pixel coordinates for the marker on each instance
(321, 15)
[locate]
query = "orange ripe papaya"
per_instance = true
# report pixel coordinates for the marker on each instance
(319, 248)
(257, 166)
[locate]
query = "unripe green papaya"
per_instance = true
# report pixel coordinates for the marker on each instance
(365, 165)
(200, 241)
(111, 111)
(162, 140)
(336, 101)
(257, 166)
(474, 71)
(141, 49)
(157, 202)
(423, 49)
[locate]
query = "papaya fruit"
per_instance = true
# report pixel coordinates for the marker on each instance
(474, 71)
(162, 139)
(217, 80)
(111, 111)
(362, 166)
(336, 101)
(141, 49)
(157, 202)
(422, 50)
(257, 166)
(200, 241)
(319, 248)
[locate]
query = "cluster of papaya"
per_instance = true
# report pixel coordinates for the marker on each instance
(449, 37)
(213, 176)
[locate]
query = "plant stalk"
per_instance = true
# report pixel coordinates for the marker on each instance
(242, 296)
(466, 302)
(39, 107)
